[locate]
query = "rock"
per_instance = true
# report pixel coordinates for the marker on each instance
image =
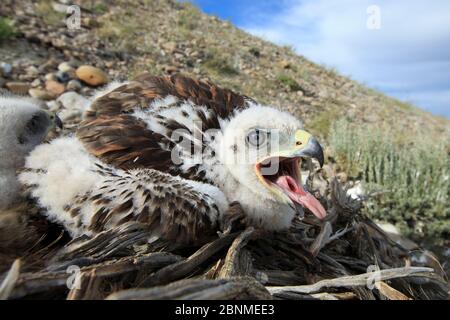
(91, 75)
(51, 76)
(41, 94)
(53, 106)
(5, 69)
(89, 22)
(170, 69)
(65, 66)
(109, 64)
(73, 105)
(86, 91)
(17, 87)
(394, 234)
(255, 52)
(54, 87)
(59, 7)
(178, 56)
(170, 46)
(65, 76)
(284, 64)
(32, 71)
(47, 66)
(74, 85)
(36, 83)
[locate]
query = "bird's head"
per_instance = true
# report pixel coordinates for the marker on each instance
(23, 125)
(263, 149)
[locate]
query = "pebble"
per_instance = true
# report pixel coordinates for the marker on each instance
(59, 7)
(54, 87)
(65, 66)
(5, 69)
(74, 85)
(36, 83)
(50, 76)
(65, 76)
(284, 64)
(170, 46)
(89, 22)
(48, 65)
(109, 64)
(17, 87)
(32, 71)
(41, 94)
(73, 105)
(53, 106)
(91, 75)
(170, 69)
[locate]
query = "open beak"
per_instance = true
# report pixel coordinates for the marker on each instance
(281, 172)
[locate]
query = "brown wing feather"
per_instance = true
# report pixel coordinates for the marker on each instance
(145, 88)
(119, 139)
(124, 141)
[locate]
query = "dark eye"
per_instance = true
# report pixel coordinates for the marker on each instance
(257, 137)
(33, 124)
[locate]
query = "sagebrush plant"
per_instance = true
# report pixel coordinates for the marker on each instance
(220, 62)
(289, 82)
(410, 175)
(6, 28)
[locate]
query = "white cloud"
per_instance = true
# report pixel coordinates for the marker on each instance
(408, 57)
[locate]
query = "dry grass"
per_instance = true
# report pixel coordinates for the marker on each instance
(45, 10)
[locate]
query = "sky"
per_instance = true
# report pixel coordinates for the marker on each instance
(400, 47)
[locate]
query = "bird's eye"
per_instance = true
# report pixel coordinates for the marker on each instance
(257, 137)
(33, 123)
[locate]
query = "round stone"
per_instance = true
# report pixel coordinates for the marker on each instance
(91, 75)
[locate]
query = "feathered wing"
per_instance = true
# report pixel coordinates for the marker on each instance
(88, 197)
(113, 134)
(118, 168)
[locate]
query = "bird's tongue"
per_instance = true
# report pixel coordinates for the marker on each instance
(296, 192)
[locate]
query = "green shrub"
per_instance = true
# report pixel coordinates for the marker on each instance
(220, 62)
(288, 82)
(6, 29)
(413, 175)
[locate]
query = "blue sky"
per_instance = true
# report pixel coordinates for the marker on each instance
(407, 57)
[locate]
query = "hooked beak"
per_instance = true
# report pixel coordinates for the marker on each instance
(308, 147)
(286, 180)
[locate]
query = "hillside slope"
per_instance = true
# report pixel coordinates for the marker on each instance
(166, 36)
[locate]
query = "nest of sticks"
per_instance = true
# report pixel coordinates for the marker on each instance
(346, 257)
